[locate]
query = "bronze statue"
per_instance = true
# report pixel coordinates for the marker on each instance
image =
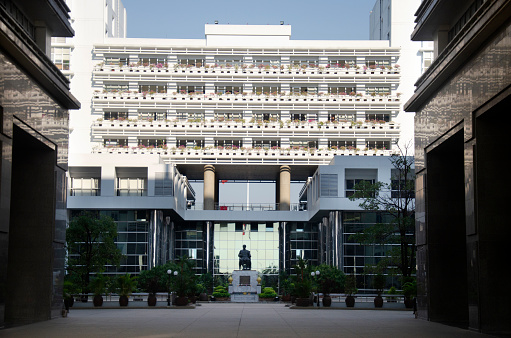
(245, 256)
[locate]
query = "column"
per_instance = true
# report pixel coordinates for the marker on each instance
(284, 187)
(209, 187)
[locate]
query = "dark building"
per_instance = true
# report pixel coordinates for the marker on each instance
(462, 223)
(34, 103)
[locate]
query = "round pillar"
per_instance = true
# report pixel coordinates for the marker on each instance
(209, 187)
(284, 188)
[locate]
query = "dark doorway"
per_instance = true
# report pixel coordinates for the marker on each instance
(446, 277)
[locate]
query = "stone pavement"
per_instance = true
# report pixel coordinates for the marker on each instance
(236, 320)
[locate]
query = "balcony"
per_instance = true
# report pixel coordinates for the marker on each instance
(244, 155)
(250, 69)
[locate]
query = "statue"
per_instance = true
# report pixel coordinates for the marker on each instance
(245, 256)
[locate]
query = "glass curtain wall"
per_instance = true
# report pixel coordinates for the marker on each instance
(261, 238)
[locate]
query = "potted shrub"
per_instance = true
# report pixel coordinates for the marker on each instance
(220, 293)
(303, 284)
(98, 286)
(125, 285)
(378, 284)
(391, 291)
(152, 287)
(268, 294)
(69, 290)
(329, 279)
(286, 287)
(350, 289)
(184, 281)
(410, 292)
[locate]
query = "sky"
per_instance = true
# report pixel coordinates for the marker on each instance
(309, 20)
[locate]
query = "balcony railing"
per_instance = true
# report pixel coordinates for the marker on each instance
(250, 69)
(249, 207)
(247, 97)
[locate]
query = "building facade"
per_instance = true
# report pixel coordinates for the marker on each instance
(169, 121)
(461, 222)
(34, 103)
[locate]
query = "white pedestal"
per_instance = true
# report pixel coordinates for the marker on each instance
(244, 287)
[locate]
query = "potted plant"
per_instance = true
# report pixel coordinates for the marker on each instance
(69, 290)
(125, 285)
(350, 289)
(286, 287)
(220, 293)
(98, 286)
(152, 287)
(303, 285)
(378, 284)
(268, 294)
(410, 292)
(329, 279)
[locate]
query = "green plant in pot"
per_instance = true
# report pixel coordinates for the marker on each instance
(220, 293)
(152, 287)
(350, 289)
(268, 293)
(184, 280)
(126, 284)
(98, 287)
(286, 287)
(379, 284)
(410, 292)
(303, 284)
(70, 289)
(330, 280)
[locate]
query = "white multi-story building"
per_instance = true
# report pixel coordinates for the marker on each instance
(246, 103)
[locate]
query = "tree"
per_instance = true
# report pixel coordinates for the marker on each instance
(396, 199)
(91, 245)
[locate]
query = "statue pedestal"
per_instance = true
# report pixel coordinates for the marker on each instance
(244, 287)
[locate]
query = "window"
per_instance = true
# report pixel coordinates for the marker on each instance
(163, 184)
(378, 117)
(228, 144)
(341, 63)
(192, 62)
(304, 90)
(299, 117)
(378, 90)
(351, 185)
(116, 61)
(131, 186)
(152, 88)
(377, 63)
(229, 62)
(190, 89)
(115, 142)
(267, 90)
(61, 57)
(304, 63)
(114, 115)
(341, 144)
(190, 143)
(81, 186)
(266, 63)
(152, 61)
(155, 116)
(115, 87)
(190, 116)
(341, 117)
(401, 188)
(228, 116)
(297, 144)
(342, 90)
(379, 145)
(269, 116)
(265, 143)
(328, 185)
(427, 59)
(156, 143)
(228, 89)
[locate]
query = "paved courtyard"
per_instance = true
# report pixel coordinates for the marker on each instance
(236, 320)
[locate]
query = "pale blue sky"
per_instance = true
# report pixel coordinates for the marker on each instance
(310, 20)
